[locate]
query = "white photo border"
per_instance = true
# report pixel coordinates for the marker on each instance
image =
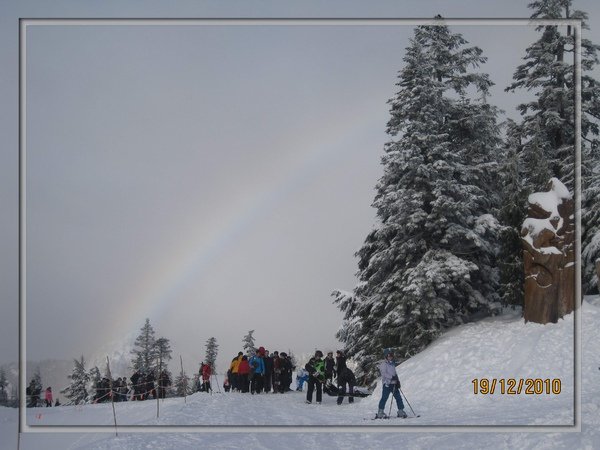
(24, 23)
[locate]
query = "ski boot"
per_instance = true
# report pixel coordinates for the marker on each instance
(402, 414)
(381, 414)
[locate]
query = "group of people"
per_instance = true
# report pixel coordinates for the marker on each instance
(34, 392)
(103, 390)
(320, 374)
(322, 371)
(144, 385)
(141, 387)
(260, 372)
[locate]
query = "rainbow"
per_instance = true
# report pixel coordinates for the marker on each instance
(198, 252)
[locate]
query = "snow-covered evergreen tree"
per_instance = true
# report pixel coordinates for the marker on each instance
(549, 119)
(590, 254)
(511, 216)
(212, 349)
(163, 353)
(430, 262)
(548, 72)
(144, 350)
(94, 379)
(248, 341)
(13, 401)
(3, 380)
(3, 386)
(196, 383)
(183, 384)
(37, 378)
(77, 392)
(107, 371)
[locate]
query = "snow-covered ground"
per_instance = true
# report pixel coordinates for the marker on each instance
(438, 383)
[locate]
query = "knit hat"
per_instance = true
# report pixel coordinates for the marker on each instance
(387, 351)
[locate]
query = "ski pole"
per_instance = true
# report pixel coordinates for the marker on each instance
(218, 385)
(391, 402)
(407, 402)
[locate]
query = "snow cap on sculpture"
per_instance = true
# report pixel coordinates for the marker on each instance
(545, 217)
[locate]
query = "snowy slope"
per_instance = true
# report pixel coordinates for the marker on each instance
(437, 383)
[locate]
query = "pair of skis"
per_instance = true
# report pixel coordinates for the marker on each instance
(386, 417)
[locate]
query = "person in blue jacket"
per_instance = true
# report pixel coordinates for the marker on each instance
(257, 369)
(390, 384)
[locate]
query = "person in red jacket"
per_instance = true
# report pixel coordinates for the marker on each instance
(206, 372)
(243, 372)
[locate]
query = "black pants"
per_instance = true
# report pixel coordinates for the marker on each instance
(285, 381)
(243, 380)
(342, 391)
(312, 382)
(257, 383)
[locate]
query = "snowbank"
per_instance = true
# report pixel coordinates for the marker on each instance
(437, 383)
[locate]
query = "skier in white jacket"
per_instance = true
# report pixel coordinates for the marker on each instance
(390, 384)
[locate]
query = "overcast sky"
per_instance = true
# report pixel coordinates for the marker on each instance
(214, 179)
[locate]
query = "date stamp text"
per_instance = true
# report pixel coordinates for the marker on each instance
(514, 386)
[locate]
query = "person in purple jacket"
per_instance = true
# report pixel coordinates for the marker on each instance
(390, 384)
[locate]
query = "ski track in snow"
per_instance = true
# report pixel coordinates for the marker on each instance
(437, 382)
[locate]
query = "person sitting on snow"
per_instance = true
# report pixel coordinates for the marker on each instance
(390, 384)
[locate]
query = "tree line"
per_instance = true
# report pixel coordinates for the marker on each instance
(150, 357)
